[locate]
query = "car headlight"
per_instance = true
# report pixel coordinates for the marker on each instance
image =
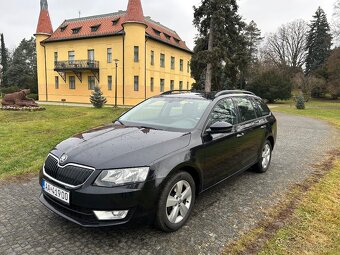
(111, 178)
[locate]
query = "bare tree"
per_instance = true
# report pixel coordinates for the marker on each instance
(336, 21)
(286, 47)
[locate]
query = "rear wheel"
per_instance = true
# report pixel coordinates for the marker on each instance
(176, 202)
(266, 156)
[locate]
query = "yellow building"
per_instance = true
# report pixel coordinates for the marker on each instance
(139, 55)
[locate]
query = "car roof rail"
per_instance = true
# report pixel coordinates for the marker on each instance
(229, 92)
(170, 92)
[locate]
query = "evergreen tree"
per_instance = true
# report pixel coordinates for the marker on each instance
(23, 70)
(254, 38)
(319, 42)
(4, 62)
(221, 47)
(97, 98)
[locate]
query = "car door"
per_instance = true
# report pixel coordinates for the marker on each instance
(250, 131)
(221, 152)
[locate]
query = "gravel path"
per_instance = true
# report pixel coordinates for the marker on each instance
(220, 214)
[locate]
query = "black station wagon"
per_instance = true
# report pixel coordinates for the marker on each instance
(152, 162)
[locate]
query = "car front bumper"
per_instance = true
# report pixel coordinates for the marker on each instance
(138, 199)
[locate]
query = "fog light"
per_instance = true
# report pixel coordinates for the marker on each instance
(112, 215)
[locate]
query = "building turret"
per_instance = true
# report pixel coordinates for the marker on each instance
(135, 50)
(44, 31)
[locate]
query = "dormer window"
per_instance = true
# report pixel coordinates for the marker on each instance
(176, 40)
(115, 22)
(157, 32)
(167, 36)
(63, 28)
(76, 30)
(95, 28)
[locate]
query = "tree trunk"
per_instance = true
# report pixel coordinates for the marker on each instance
(208, 76)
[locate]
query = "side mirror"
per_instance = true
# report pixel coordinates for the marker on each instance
(220, 128)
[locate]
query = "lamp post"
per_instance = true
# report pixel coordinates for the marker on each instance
(116, 82)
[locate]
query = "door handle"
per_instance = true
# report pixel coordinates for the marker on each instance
(240, 135)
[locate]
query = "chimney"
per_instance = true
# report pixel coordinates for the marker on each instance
(44, 23)
(135, 12)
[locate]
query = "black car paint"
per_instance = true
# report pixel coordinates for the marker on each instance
(210, 158)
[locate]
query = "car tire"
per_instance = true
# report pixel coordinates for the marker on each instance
(176, 202)
(263, 164)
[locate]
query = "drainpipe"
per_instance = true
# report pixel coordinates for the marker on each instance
(146, 39)
(124, 69)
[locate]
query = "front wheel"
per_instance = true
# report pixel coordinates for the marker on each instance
(176, 202)
(266, 156)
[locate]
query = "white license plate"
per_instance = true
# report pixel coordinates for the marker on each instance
(56, 192)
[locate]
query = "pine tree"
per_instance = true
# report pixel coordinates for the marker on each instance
(300, 103)
(97, 98)
(4, 62)
(254, 38)
(23, 70)
(319, 42)
(221, 47)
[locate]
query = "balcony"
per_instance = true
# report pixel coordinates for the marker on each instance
(77, 67)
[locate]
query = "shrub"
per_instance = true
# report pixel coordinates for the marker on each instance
(97, 98)
(300, 103)
(9, 90)
(33, 96)
(272, 85)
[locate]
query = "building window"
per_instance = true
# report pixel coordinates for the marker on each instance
(188, 67)
(55, 57)
(167, 36)
(56, 82)
(181, 65)
(172, 85)
(136, 83)
(152, 58)
(156, 32)
(95, 28)
(72, 81)
(162, 60)
(162, 85)
(92, 82)
(109, 55)
(90, 56)
(76, 30)
(63, 28)
(71, 57)
(109, 82)
(152, 84)
(136, 54)
(181, 85)
(173, 63)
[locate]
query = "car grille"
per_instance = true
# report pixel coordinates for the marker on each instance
(70, 174)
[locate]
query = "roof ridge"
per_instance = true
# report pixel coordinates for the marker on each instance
(95, 16)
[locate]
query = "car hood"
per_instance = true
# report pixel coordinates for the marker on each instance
(111, 147)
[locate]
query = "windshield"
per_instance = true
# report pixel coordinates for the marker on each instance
(166, 113)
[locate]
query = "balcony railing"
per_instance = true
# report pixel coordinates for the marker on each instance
(77, 65)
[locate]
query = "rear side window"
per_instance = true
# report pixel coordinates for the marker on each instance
(262, 108)
(246, 109)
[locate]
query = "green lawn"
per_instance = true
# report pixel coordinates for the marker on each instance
(328, 110)
(27, 137)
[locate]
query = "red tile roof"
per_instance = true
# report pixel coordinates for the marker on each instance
(44, 23)
(134, 12)
(108, 27)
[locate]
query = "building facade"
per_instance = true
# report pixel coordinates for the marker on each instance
(130, 56)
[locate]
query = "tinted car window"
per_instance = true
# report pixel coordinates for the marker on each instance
(263, 109)
(224, 111)
(246, 109)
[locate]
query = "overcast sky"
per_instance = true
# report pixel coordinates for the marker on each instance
(18, 18)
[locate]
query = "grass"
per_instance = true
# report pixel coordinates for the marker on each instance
(328, 110)
(315, 224)
(27, 137)
(307, 221)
